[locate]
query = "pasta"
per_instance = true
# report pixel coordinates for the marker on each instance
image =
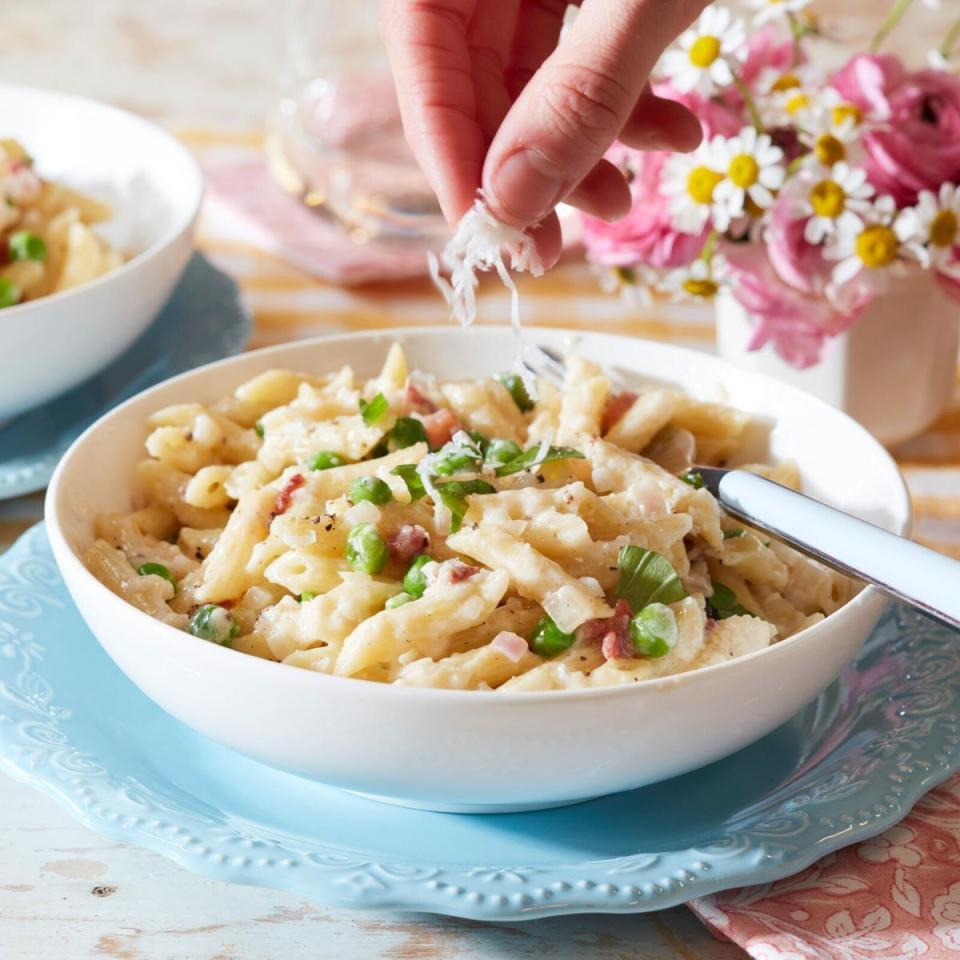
(455, 534)
(46, 232)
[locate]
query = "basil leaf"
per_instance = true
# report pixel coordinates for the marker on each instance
(530, 457)
(407, 472)
(647, 577)
(405, 433)
(453, 495)
(722, 603)
(734, 534)
(373, 410)
(457, 456)
(694, 478)
(517, 389)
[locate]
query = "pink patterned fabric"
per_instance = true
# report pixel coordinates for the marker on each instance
(895, 897)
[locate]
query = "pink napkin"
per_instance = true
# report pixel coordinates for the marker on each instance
(895, 897)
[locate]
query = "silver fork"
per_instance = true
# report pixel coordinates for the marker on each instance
(544, 362)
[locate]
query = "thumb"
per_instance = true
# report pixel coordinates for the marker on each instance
(574, 107)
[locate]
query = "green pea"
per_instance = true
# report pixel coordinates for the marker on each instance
(414, 580)
(258, 429)
(214, 623)
(366, 551)
(518, 390)
(501, 452)
(398, 601)
(406, 432)
(9, 293)
(653, 631)
(372, 489)
(157, 570)
(326, 459)
(305, 596)
(24, 245)
(548, 639)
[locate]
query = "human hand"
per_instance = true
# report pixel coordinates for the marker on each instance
(489, 100)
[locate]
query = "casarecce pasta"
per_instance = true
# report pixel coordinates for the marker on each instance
(462, 534)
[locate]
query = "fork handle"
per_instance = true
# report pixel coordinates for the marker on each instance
(904, 569)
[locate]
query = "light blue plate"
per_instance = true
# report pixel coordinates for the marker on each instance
(845, 768)
(203, 321)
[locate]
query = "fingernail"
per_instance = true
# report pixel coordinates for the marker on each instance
(528, 185)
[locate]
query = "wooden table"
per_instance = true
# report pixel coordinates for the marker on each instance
(206, 68)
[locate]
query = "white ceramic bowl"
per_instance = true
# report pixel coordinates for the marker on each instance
(154, 186)
(475, 751)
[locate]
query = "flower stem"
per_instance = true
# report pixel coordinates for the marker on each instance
(950, 40)
(751, 104)
(796, 32)
(709, 246)
(895, 15)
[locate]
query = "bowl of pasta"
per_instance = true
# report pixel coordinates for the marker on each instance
(384, 561)
(96, 226)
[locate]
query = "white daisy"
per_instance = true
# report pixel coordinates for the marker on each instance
(753, 170)
(700, 281)
(690, 181)
(701, 59)
(835, 203)
(768, 10)
(830, 133)
(930, 231)
(869, 249)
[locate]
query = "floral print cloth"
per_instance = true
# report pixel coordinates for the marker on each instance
(895, 897)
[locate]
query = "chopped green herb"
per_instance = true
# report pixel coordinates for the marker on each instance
(407, 472)
(646, 577)
(9, 293)
(501, 452)
(518, 390)
(453, 495)
(214, 623)
(723, 603)
(653, 631)
(157, 570)
(327, 459)
(366, 551)
(457, 456)
(371, 489)
(694, 478)
(305, 596)
(373, 410)
(414, 580)
(734, 534)
(258, 429)
(398, 601)
(481, 440)
(547, 639)
(24, 245)
(405, 433)
(531, 457)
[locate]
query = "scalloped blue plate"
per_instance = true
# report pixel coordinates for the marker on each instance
(845, 768)
(203, 321)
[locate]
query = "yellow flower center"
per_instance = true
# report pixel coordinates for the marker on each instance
(796, 103)
(829, 150)
(744, 171)
(786, 81)
(704, 51)
(700, 288)
(944, 229)
(828, 199)
(701, 182)
(847, 111)
(877, 246)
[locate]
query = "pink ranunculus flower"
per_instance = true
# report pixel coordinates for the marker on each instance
(645, 235)
(796, 324)
(865, 80)
(797, 263)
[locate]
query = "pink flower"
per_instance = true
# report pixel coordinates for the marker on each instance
(797, 324)
(645, 235)
(765, 50)
(914, 143)
(798, 264)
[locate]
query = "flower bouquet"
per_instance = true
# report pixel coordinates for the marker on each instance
(815, 196)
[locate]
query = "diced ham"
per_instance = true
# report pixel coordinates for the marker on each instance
(418, 401)
(409, 541)
(461, 572)
(282, 502)
(440, 427)
(616, 408)
(612, 633)
(510, 644)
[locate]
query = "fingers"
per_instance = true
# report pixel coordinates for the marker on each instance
(660, 124)
(426, 42)
(538, 30)
(489, 39)
(575, 106)
(548, 239)
(602, 192)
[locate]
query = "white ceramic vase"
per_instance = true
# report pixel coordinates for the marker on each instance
(895, 370)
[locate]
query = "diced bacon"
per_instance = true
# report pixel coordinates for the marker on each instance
(616, 408)
(510, 644)
(418, 401)
(612, 633)
(440, 427)
(282, 503)
(461, 572)
(409, 541)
